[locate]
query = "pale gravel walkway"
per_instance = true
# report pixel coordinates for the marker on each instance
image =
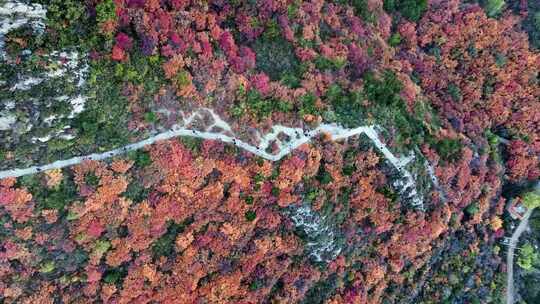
(510, 255)
(297, 137)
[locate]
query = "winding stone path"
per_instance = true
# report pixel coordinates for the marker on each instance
(296, 136)
(510, 256)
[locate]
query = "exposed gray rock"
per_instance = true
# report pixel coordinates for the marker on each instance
(7, 120)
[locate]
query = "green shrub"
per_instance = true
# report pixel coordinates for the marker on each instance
(182, 79)
(308, 105)
(136, 192)
(164, 246)
(256, 284)
(347, 109)
(493, 148)
(249, 200)
(389, 193)
(322, 63)
(493, 8)
(321, 290)
(91, 179)
(238, 110)
(102, 124)
(349, 170)
(448, 149)
(326, 32)
(488, 87)
(324, 176)
(271, 30)
(531, 200)
(276, 57)
(67, 19)
(150, 117)
(105, 11)
(528, 257)
(383, 91)
(58, 198)
(311, 194)
(291, 80)
(47, 267)
(532, 23)
(114, 275)
(250, 215)
(536, 20)
(454, 92)
(534, 221)
(292, 9)
(394, 40)
(101, 247)
(141, 158)
(262, 107)
(472, 209)
(410, 9)
(361, 9)
(500, 60)
(191, 143)
(390, 110)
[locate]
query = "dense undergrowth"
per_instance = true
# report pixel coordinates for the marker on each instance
(103, 231)
(453, 83)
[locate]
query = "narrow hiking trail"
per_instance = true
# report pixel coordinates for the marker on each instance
(523, 225)
(296, 137)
